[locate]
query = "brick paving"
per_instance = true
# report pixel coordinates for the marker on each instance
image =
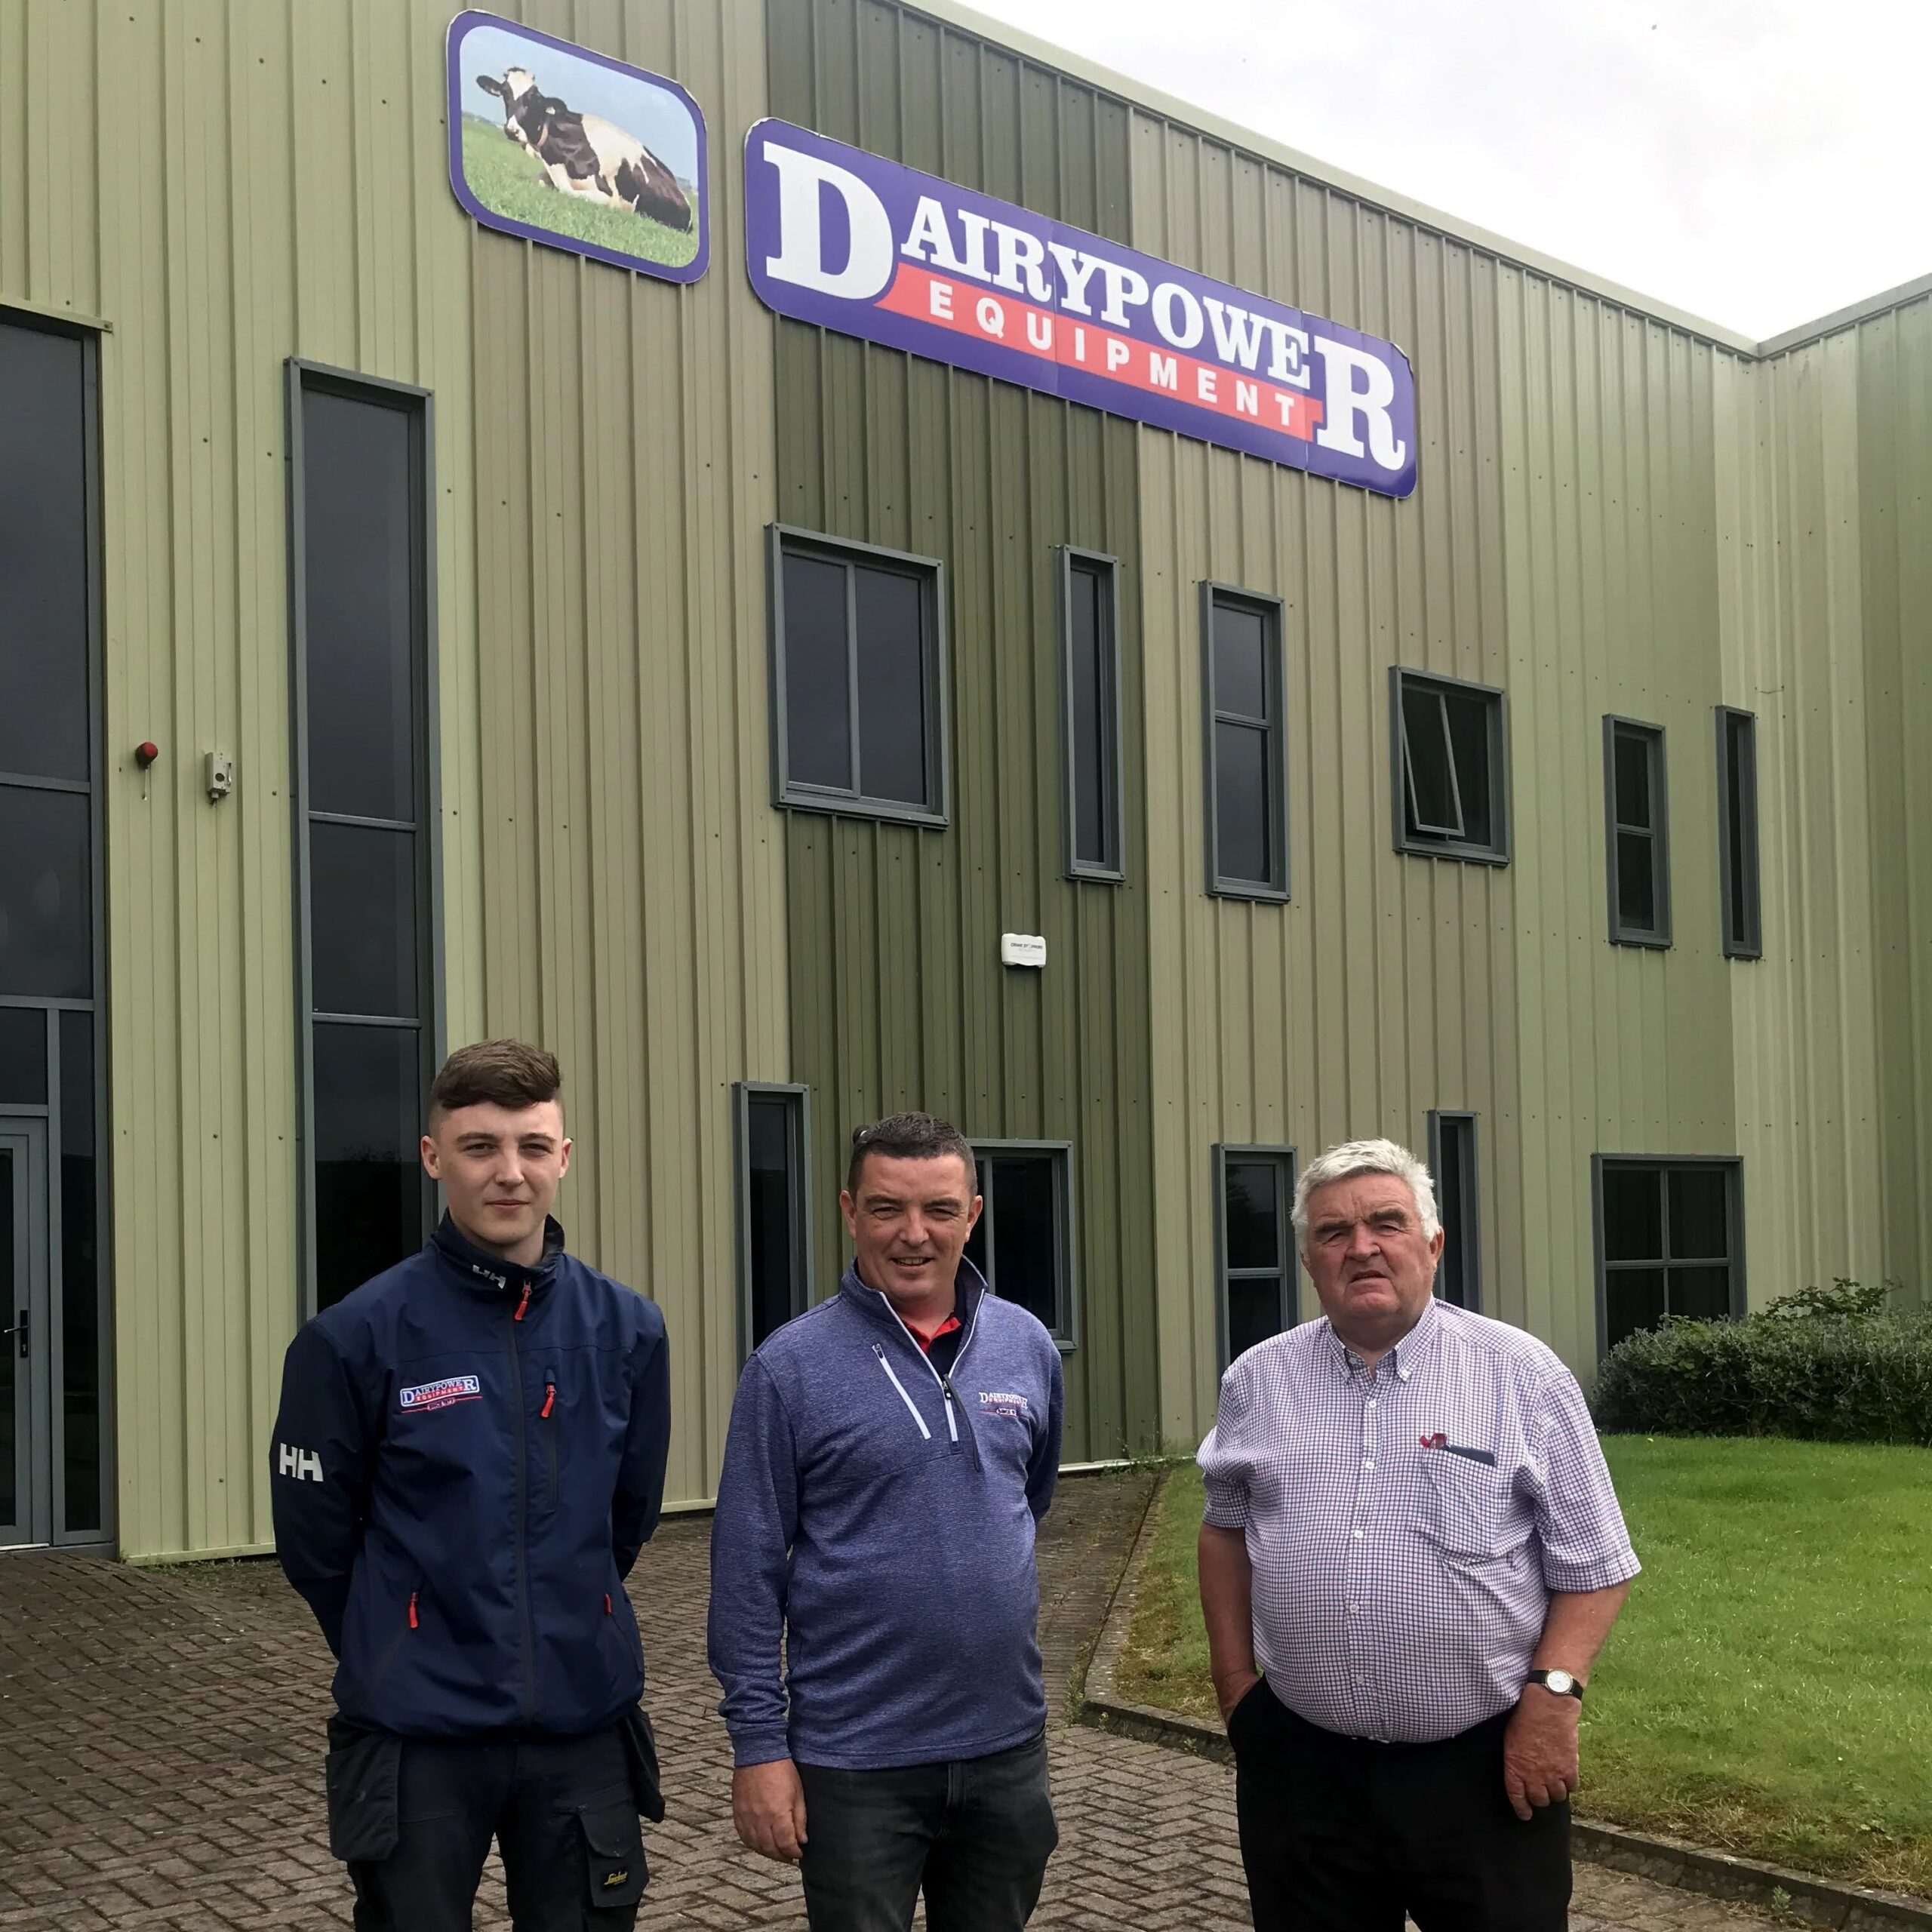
(161, 1753)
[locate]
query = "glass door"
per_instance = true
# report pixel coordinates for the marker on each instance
(25, 1510)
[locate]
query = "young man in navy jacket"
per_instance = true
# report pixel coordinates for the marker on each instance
(470, 1456)
(889, 1455)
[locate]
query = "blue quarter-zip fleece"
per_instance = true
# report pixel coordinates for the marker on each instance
(881, 1517)
(468, 1457)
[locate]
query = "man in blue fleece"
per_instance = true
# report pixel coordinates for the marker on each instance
(890, 1454)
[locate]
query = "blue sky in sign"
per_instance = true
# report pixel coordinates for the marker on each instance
(654, 115)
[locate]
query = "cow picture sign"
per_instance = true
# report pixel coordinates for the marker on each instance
(844, 239)
(573, 149)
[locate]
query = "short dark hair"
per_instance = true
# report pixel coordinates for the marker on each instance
(511, 1073)
(910, 1137)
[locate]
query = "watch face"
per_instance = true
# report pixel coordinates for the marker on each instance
(1560, 1682)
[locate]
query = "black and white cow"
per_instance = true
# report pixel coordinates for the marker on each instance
(584, 154)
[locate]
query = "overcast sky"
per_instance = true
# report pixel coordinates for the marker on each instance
(1754, 162)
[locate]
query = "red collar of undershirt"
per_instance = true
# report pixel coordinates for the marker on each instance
(926, 1338)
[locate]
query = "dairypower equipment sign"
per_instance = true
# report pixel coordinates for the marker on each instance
(840, 238)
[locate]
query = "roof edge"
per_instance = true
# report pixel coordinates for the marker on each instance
(1170, 107)
(1846, 318)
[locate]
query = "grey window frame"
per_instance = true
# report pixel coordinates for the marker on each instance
(1661, 1164)
(1284, 1156)
(1746, 941)
(302, 376)
(1070, 558)
(106, 1536)
(1452, 845)
(1657, 938)
(1065, 1329)
(1469, 1209)
(1275, 889)
(800, 1128)
(789, 795)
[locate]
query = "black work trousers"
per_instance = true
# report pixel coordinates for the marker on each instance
(974, 1835)
(1343, 1835)
(413, 1818)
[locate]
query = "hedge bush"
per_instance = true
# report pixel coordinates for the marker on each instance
(1827, 1364)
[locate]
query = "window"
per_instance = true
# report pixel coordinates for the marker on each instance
(1091, 701)
(1669, 1242)
(1255, 1191)
(1451, 768)
(859, 709)
(1737, 833)
(1024, 1241)
(364, 699)
(1637, 813)
(773, 1134)
(1452, 1162)
(1245, 705)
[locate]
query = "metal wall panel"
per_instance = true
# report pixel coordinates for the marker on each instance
(898, 997)
(255, 182)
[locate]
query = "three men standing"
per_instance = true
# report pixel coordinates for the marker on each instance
(1411, 1556)
(469, 1455)
(890, 1454)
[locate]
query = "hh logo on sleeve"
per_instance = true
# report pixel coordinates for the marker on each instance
(304, 1465)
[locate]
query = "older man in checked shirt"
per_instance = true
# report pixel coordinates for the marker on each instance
(1411, 1555)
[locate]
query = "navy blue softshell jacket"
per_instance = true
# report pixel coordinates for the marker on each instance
(879, 1515)
(468, 1457)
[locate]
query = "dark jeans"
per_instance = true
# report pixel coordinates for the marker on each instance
(413, 1817)
(974, 1834)
(1340, 1835)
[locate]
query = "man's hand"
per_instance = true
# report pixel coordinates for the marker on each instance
(768, 1807)
(1229, 1691)
(1540, 1749)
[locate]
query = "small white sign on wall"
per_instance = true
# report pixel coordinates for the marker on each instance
(1022, 949)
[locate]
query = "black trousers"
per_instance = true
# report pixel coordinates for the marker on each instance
(1340, 1835)
(974, 1835)
(413, 1818)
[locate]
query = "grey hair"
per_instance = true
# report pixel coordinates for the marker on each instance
(1351, 1157)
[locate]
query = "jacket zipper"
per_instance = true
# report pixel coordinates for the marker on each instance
(944, 1381)
(912, 1407)
(523, 1514)
(550, 1434)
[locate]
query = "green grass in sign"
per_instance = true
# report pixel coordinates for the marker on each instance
(1768, 1689)
(510, 180)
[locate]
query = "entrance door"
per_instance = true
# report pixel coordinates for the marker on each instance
(26, 1408)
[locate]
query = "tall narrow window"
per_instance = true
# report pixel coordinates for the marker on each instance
(1636, 813)
(1244, 702)
(1255, 1261)
(1451, 789)
(1024, 1241)
(1452, 1160)
(1091, 701)
(774, 1137)
(365, 814)
(858, 679)
(1670, 1237)
(54, 1362)
(1737, 833)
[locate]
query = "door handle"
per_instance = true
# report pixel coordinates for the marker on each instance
(20, 1328)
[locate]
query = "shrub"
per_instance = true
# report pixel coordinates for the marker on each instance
(1825, 1364)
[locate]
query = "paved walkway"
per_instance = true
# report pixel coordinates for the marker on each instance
(160, 1762)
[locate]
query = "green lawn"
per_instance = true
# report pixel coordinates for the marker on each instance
(510, 180)
(1768, 1689)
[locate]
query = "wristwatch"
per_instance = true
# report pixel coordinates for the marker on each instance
(1559, 1681)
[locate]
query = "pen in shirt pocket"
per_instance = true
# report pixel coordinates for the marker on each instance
(1439, 1441)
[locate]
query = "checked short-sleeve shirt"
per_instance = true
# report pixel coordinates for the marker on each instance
(1407, 1524)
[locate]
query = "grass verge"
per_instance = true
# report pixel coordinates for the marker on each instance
(1768, 1690)
(510, 180)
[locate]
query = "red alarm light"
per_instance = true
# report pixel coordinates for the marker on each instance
(145, 752)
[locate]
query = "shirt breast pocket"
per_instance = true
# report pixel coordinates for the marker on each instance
(1468, 1507)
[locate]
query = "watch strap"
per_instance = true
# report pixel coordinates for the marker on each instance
(1572, 1688)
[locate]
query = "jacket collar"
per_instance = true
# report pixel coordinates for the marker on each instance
(969, 1288)
(490, 1274)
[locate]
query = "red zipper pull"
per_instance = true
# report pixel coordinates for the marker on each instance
(550, 1399)
(523, 1304)
(412, 1609)
(607, 1603)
